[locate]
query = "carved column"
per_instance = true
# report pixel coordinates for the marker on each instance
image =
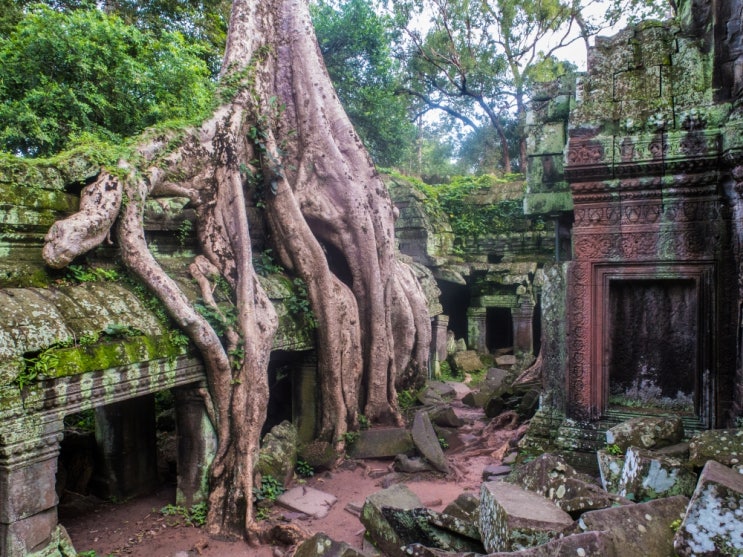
(523, 328)
(438, 338)
(477, 329)
(28, 498)
(197, 444)
(304, 413)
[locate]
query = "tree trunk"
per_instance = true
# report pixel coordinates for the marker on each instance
(331, 221)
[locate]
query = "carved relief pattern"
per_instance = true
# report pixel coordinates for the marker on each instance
(645, 246)
(579, 384)
(593, 216)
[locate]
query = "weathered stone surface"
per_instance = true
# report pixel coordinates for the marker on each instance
(713, 524)
(492, 471)
(379, 530)
(610, 469)
(465, 507)
(381, 443)
(460, 389)
(465, 362)
(444, 390)
(278, 455)
(445, 416)
(641, 529)
(321, 455)
(427, 442)
(307, 500)
(411, 465)
(722, 445)
(647, 476)
(512, 518)
(528, 404)
(587, 544)
(432, 529)
(550, 476)
(320, 545)
(494, 406)
(647, 432)
(506, 360)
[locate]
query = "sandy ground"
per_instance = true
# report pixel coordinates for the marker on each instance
(137, 527)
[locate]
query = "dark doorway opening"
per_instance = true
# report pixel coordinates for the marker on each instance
(499, 326)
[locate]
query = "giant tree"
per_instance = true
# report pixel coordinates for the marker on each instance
(279, 130)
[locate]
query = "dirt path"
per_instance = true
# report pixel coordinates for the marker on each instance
(137, 527)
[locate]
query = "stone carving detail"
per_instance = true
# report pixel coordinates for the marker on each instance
(586, 152)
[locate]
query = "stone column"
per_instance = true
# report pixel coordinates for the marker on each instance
(197, 444)
(305, 395)
(438, 337)
(28, 498)
(127, 448)
(523, 329)
(477, 329)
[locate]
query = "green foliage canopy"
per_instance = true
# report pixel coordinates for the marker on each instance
(67, 74)
(356, 46)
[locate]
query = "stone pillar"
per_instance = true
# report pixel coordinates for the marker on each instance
(477, 329)
(438, 337)
(28, 498)
(523, 328)
(197, 445)
(127, 448)
(305, 409)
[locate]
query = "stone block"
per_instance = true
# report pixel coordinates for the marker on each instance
(444, 416)
(432, 529)
(307, 500)
(427, 442)
(378, 528)
(610, 469)
(512, 518)
(278, 454)
(641, 529)
(713, 524)
(465, 507)
(506, 360)
(465, 362)
(647, 476)
(647, 432)
(381, 443)
(27, 490)
(320, 545)
(28, 535)
(722, 445)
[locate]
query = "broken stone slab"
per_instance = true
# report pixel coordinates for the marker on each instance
(320, 545)
(427, 442)
(513, 518)
(587, 544)
(639, 529)
(722, 445)
(496, 376)
(610, 469)
(278, 454)
(492, 471)
(551, 476)
(411, 465)
(648, 432)
(382, 443)
(377, 527)
(465, 362)
(460, 389)
(506, 360)
(445, 416)
(307, 500)
(465, 507)
(647, 476)
(444, 390)
(713, 524)
(432, 529)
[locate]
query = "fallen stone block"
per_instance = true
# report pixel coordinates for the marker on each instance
(640, 529)
(307, 500)
(610, 469)
(427, 442)
(722, 445)
(381, 443)
(551, 476)
(587, 544)
(647, 432)
(506, 360)
(647, 476)
(320, 545)
(432, 529)
(713, 524)
(512, 518)
(278, 454)
(465, 507)
(465, 362)
(377, 527)
(445, 416)
(460, 389)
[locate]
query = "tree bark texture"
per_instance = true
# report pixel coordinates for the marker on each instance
(281, 131)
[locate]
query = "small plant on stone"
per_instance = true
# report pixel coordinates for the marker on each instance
(363, 422)
(350, 438)
(304, 469)
(269, 490)
(614, 450)
(675, 525)
(443, 443)
(407, 398)
(262, 513)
